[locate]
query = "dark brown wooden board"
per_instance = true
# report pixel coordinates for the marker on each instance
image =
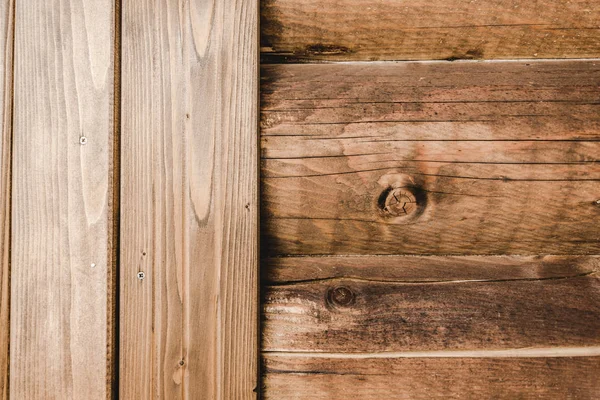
(500, 158)
(424, 269)
(530, 306)
(291, 377)
(308, 30)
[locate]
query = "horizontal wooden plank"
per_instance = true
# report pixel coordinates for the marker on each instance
(526, 306)
(290, 377)
(425, 269)
(298, 30)
(495, 157)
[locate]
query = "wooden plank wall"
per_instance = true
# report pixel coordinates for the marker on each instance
(429, 229)
(189, 200)
(131, 138)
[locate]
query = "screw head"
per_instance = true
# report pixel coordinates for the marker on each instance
(83, 140)
(93, 265)
(341, 296)
(141, 275)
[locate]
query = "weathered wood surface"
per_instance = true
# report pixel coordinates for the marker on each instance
(545, 303)
(291, 377)
(498, 157)
(189, 200)
(61, 268)
(423, 269)
(6, 63)
(308, 30)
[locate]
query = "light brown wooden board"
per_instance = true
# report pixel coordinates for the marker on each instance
(535, 307)
(503, 156)
(61, 268)
(308, 30)
(6, 58)
(289, 377)
(189, 200)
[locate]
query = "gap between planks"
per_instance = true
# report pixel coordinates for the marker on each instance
(543, 352)
(423, 282)
(441, 61)
(6, 144)
(115, 218)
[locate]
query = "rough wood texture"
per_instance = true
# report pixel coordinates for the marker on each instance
(6, 69)
(290, 377)
(62, 188)
(286, 270)
(297, 30)
(545, 303)
(490, 158)
(189, 200)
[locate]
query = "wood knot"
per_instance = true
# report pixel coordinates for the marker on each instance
(399, 202)
(341, 296)
(402, 202)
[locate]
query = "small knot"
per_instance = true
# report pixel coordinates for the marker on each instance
(341, 296)
(398, 202)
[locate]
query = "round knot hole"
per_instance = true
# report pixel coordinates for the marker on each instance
(341, 296)
(400, 202)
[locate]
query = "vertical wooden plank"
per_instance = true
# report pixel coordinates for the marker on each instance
(189, 200)
(61, 201)
(6, 44)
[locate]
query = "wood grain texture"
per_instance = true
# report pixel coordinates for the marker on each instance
(189, 200)
(501, 157)
(423, 269)
(308, 30)
(6, 70)
(61, 269)
(289, 377)
(535, 303)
